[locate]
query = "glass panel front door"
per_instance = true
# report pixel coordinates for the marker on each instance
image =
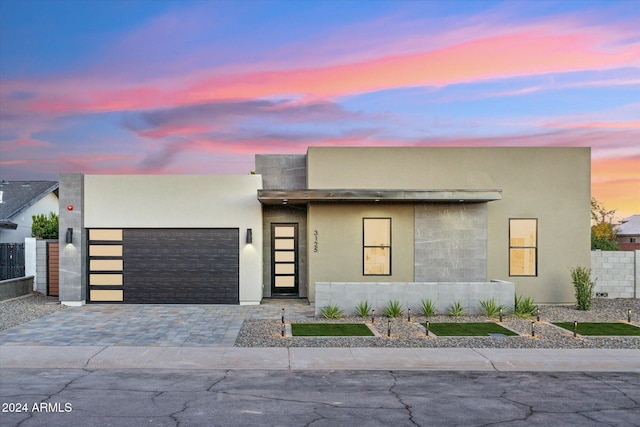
(284, 259)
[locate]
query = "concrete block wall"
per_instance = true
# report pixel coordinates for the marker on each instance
(451, 242)
(410, 294)
(616, 273)
(73, 264)
(40, 283)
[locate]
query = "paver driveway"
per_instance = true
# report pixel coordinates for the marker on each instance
(149, 325)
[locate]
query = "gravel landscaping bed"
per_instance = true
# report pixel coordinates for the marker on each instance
(267, 333)
(15, 311)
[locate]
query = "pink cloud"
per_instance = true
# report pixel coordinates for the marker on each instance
(597, 125)
(505, 55)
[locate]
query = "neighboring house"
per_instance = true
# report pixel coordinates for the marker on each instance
(628, 233)
(19, 201)
(339, 225)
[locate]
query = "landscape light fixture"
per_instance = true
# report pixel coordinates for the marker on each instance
(575, 328)
(629, 315)
(388, 328)
(533, 329)
(409, 315)
(427, 327)
(500, 315)
(538, 315)
(249, 236)
(373, 316)
(69, 235)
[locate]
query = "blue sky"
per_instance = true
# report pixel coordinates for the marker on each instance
(165, 87)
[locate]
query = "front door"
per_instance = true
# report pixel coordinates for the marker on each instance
(284, 259)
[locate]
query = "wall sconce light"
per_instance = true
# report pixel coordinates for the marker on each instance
(249, 236)
(69, 236)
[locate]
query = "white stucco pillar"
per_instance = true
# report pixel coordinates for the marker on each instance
(30, 259)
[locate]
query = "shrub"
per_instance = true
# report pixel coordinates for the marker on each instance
(456, 309)
(427, 307)
(363, 309)
(490, 308)
(524, 307)
(393, 309)
(44, 227)
(581, 279)
(331, 311)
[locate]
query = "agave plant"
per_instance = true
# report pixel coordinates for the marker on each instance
(332, 311)
(393, 309)
(524, 306)
(490, 308)
(427, 307)
(363, 309)
(456, 309)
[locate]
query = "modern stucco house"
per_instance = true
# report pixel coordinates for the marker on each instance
(337, 224)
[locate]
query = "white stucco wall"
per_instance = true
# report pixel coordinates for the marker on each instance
(183, 201)
(47, 204)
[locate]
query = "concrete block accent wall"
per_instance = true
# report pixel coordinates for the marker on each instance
(282, 171)
(410, 294)
(616, 273)
(451, 242)
(73, 289)
(40, 279)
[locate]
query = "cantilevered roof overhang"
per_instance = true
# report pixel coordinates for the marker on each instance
(297, 197)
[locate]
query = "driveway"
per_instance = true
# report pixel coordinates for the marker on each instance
(157, 325)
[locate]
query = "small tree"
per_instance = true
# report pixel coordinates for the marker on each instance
(603, 232)
(45, 227)
(581, 278)
(603, 237)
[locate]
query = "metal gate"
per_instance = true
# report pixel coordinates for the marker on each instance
(11, 260)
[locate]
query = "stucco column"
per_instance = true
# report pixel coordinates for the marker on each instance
(73, 287)
(30, 260)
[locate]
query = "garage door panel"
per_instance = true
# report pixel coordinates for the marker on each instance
(182, 266)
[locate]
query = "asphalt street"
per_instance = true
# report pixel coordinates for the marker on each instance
(80, 397)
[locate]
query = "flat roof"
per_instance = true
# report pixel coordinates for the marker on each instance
(280, 197)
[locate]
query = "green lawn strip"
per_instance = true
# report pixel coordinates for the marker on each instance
(601, 328)
(330, 330)
(474, 329)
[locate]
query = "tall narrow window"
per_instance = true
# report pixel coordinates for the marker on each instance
(376, 246)
(523, 247)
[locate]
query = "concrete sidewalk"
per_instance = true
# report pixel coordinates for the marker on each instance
(294, 359)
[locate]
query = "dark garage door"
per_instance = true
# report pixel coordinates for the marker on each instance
(181, 266)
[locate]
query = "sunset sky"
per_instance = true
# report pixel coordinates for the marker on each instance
(199, 87)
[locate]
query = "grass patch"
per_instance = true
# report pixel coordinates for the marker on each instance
(473, 329)
(330, 330)
(601, 328)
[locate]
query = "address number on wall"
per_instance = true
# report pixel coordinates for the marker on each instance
(315, 240)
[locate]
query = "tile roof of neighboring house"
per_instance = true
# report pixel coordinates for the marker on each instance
(16, 196)
(629, 226)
